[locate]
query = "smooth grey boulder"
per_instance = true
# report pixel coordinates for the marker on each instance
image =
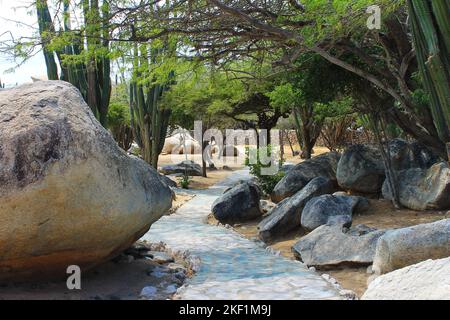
(405, 155)
(361, 169)
(427, 280)
(301, 174)
(329, 246)
(330, 209)
(286, 216)
(406, 246)
(286, 167)
(189, 167)
(69, 195)
(422, 189)
(239, 204)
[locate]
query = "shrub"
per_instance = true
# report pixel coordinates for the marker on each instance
(119, 124)
(266, 182)
(185, 181)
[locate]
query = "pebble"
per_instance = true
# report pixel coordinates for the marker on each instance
(148, 292)
(171, 289)
(348, 294)
(160, 257)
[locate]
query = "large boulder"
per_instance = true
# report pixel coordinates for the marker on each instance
(189, 167)
(405, 155)
(238, 204)
(406, 246)
(179, 142)
(361, 169)
(327, 208)
(329, 246)
(286, 216)
(422, 189)
(167, 181)
(68, 194)
(427, 280)
(301, 174)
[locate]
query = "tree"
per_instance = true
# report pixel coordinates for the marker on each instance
(307, 92)
(200, 95)
(228, 30)
(149, 120)
(119, 119)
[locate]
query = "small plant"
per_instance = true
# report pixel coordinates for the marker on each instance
(266, 182)
(185, 181)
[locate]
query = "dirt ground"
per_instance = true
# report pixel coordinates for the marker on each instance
(123, 278)
(214, 176)
(230, 163)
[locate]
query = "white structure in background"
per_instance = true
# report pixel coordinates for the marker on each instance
(181, 142)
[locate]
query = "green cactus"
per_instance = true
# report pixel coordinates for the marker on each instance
(93, 77)
(148, 120)
(46, 28)
(431, 35)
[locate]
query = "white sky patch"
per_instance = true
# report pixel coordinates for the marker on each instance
(15, 15)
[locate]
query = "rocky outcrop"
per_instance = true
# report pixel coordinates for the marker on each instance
(330, 209)
(406, 246)
(68, 194)
(286, 216)
(329, 246)
(406, 155)
(301, 174)
(422, 189)
(427, 280)
(361, 169)
(238, 204)
(189, 167)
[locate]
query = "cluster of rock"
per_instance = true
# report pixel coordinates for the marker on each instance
(422, 181)
(68, 194)
(313, 197)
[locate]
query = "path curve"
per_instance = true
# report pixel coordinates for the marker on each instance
(233, 267)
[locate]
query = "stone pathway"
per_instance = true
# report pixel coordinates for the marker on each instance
(233, 267)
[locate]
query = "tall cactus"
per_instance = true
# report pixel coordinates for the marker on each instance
(431, 34)
(148, 120)
(93, 77)
(45, 29)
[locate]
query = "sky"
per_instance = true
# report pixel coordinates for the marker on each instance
(17, 10)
